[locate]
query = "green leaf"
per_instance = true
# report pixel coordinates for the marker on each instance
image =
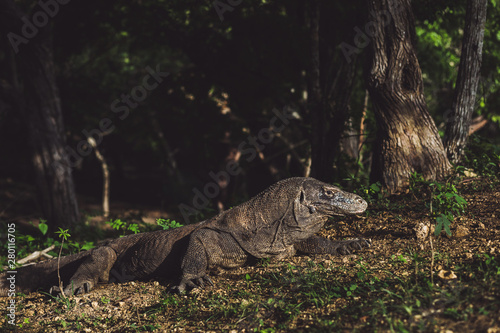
(375, 188)
(87, 246)
(439, 224)
(460, 200)
(43, 228)
(447, 228)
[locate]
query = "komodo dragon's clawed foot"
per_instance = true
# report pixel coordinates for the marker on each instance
(72, 289)
(188, 284)
(347, 246)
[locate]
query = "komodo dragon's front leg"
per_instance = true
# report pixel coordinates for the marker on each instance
(320, 245)
(94, 268)
(208, 248)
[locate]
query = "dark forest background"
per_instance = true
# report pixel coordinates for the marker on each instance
(229, 64)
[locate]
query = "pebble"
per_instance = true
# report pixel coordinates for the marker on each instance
(461, 231)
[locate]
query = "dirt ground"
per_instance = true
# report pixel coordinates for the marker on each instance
(260, 297)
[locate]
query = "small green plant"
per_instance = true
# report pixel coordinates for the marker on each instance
(482, 156)
(373, 192)
(43, 227)
(123, 226)
(63, 234)
(445, 202)
(446, 205)
(167, 224)
(416, 181)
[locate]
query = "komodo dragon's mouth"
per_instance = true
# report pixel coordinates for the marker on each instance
(337, 210)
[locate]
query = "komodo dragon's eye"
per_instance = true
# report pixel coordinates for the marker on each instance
(329, 192)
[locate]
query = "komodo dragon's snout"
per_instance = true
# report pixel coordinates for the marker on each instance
(331, 200)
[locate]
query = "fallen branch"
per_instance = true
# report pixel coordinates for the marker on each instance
(477, 123)
(35, 255)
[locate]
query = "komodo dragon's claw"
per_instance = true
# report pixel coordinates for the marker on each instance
(353, 244)
(201, 281)
(84, 287)
(188, 283)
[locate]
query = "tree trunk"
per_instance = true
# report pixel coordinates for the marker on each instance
(407, 138)
(464, 99)
(43, 116)
(314, 98)
(328, 103)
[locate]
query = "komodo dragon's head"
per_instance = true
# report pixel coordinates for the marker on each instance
(330, 200)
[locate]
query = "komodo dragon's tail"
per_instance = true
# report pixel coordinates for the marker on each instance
(39, 276)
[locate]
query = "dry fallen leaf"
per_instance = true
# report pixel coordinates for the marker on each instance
(447, 275)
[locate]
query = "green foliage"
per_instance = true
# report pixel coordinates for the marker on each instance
(482, 156)
(27, 244)
(124, 227)
(372, 193)
(370, 300)
(64, 234)
(445, 202)
(43, 227)
(167, 224)
(442, 221)
(64, 302)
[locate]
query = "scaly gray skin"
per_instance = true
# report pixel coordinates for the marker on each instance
(277, 223)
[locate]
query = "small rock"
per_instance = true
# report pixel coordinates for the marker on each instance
(470, 173)
(422, 231)
(95, 304)
(461, 231)
(481, 225)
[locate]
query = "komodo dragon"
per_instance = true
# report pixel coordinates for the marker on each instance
(276, 223)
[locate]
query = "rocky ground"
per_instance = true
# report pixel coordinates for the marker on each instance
(388, 287)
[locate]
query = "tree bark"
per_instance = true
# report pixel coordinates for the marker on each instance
(328, 103)
(464, 99)
(407, 138)
(314, 97)
(43, 116)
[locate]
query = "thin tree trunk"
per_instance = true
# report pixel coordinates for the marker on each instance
(314, 97)
(407, 138)
(328, 104)
(464, 99)
(362, 127)
(105, 176)
(43, 116)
